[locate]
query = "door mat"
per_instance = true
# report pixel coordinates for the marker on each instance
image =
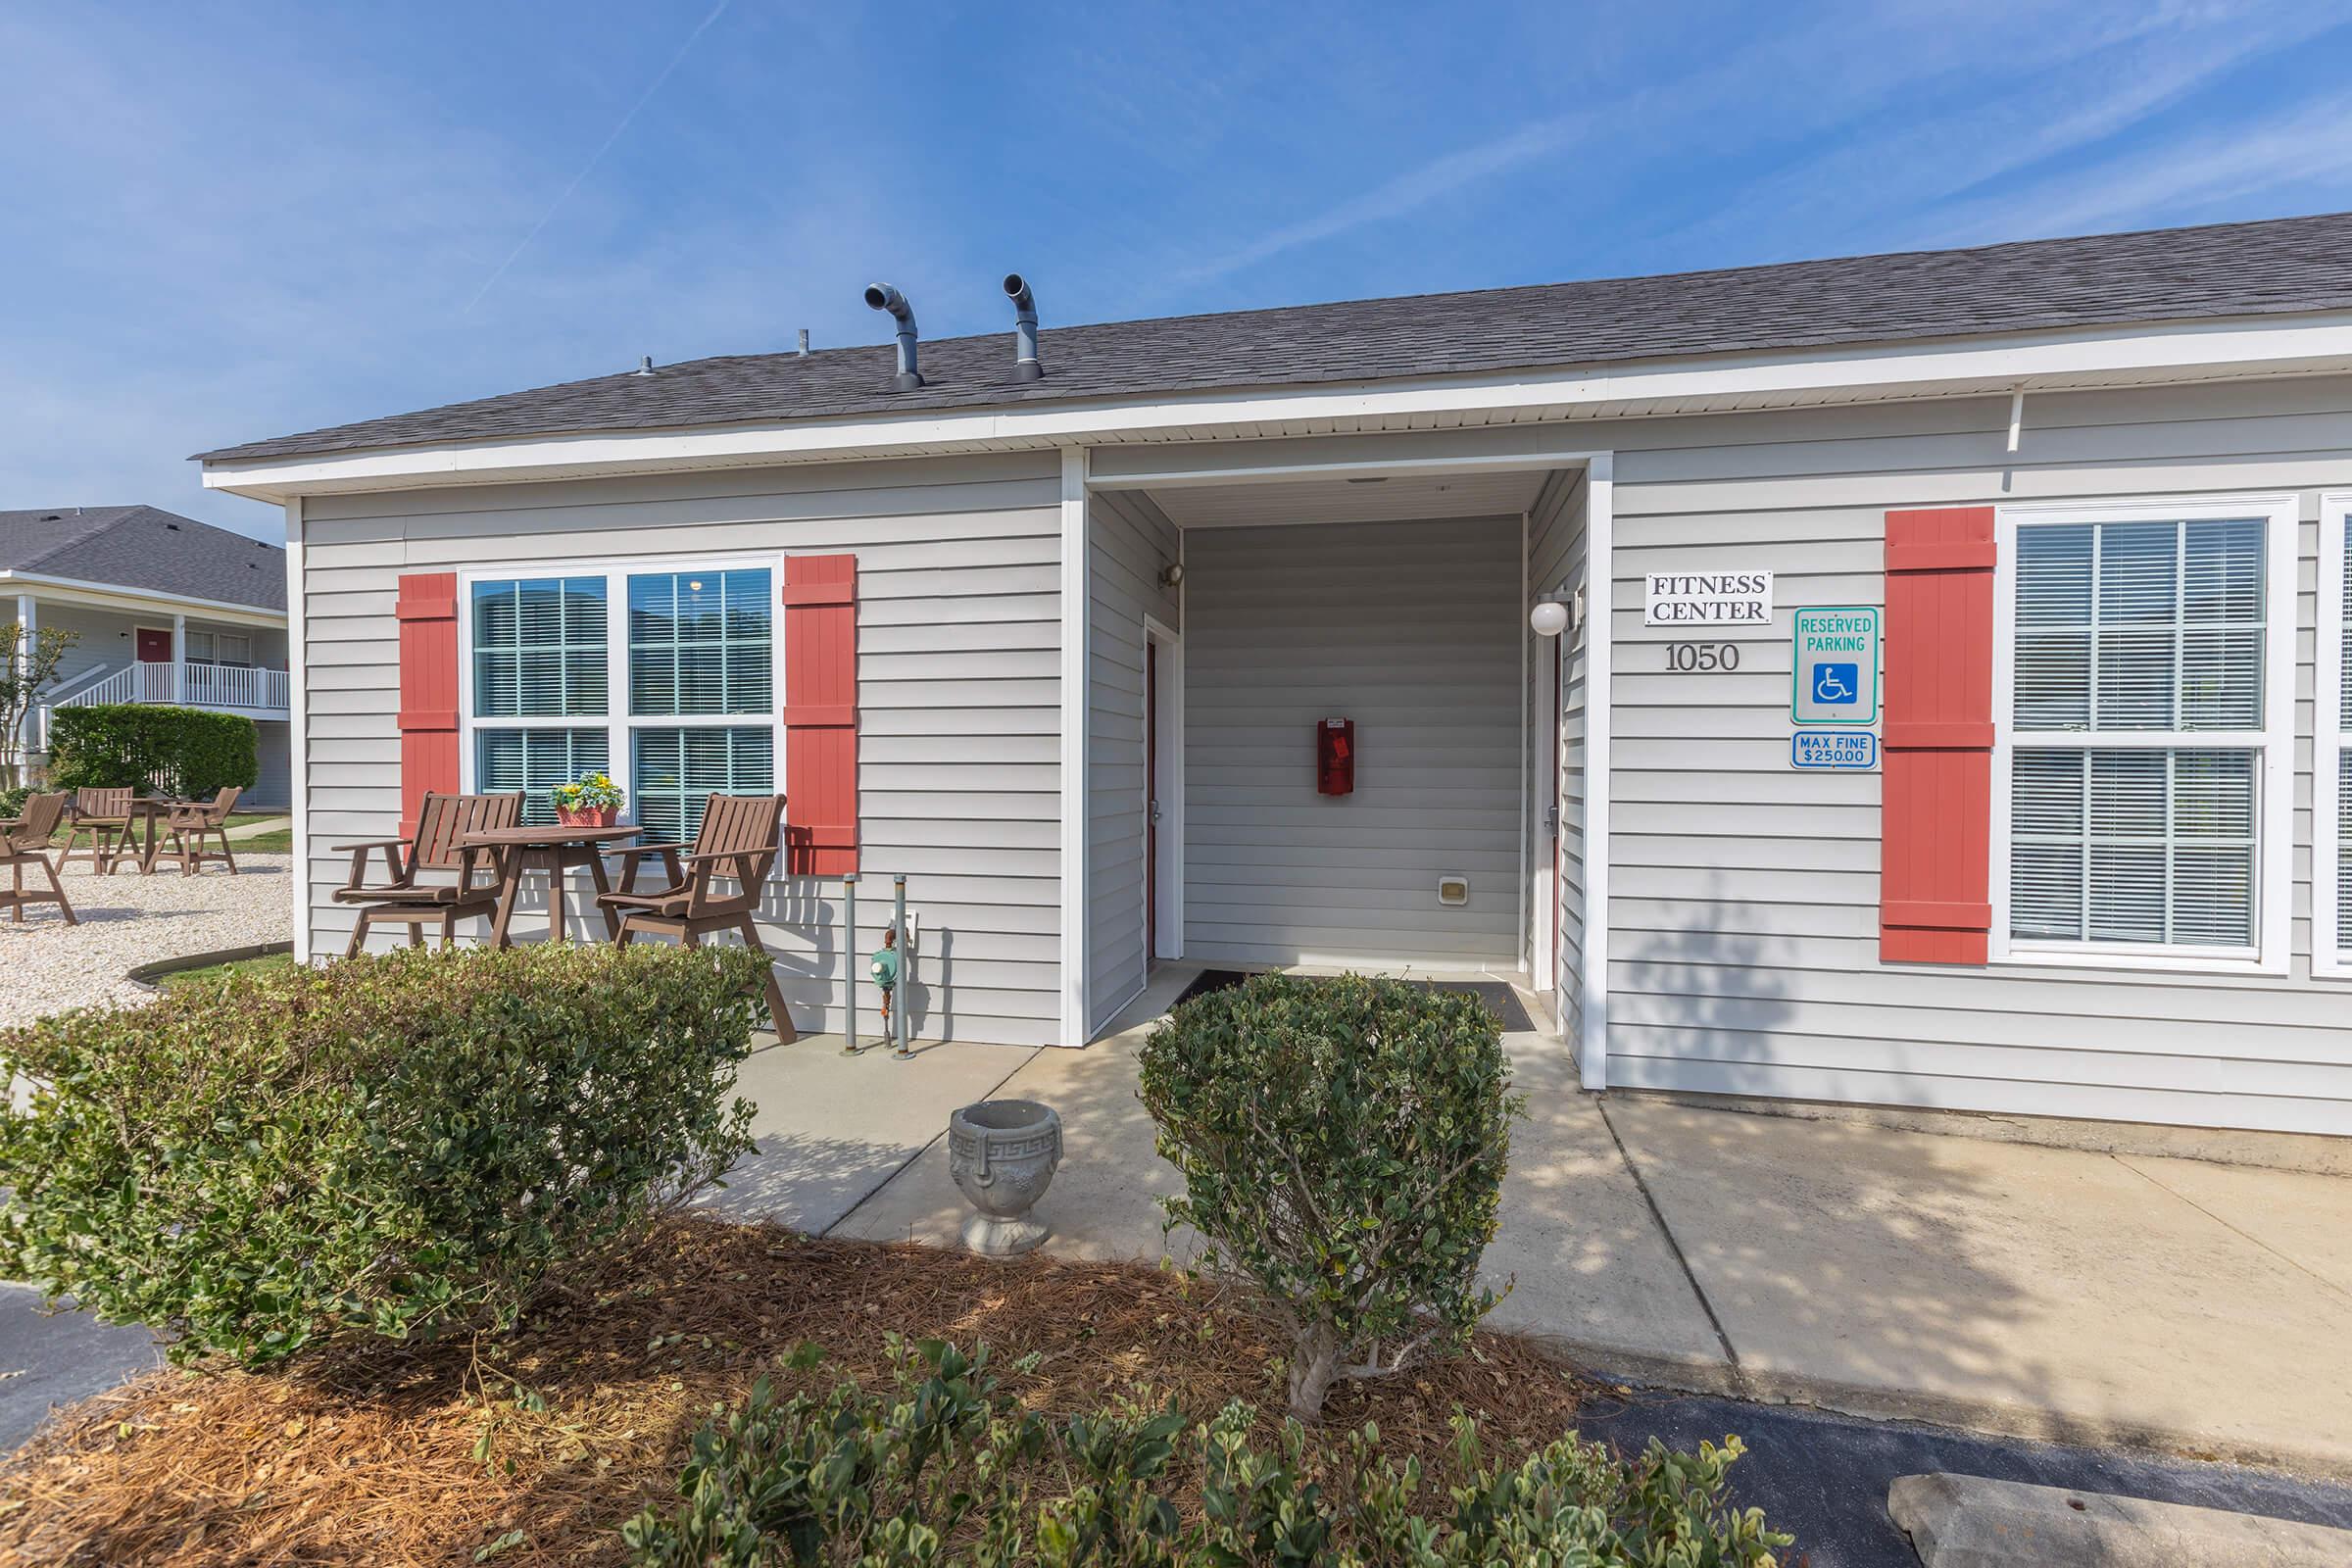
(1500, 1000)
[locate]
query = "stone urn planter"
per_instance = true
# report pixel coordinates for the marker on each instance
(1002, 1155)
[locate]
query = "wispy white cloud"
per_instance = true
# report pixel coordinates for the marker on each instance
(1936, 98)
(2180, 179)
(1406, 193)
(619, 128)
(1890, 176)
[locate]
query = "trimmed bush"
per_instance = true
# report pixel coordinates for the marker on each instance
(397, 1145)
(13, 798)
(1342, 1142)
(943, 1469)
(140, 746)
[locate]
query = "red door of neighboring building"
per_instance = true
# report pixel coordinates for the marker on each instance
(155, 645)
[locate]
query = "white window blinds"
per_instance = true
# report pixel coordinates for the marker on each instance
(539, 648)
(678, 769)
(2333, 744)
(535, 761)
(2153, 631)
(2140, 625)
(699, 643)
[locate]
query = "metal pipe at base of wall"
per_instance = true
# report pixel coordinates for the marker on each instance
(900, 1027)
(849, 963)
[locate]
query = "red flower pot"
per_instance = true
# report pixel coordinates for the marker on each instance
(584, 815)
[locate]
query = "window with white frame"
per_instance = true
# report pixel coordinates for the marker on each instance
(2144, 728)
(220, 648)
(2331, 747)
(665, 679)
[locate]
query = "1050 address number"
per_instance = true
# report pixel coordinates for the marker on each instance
(1688, 657)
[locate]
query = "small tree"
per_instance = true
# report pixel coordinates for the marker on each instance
(1342, 1142)
(27, 664)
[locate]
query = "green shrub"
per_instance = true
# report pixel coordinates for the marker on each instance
(180, 751)
(13, 798)
(399, 1146)
(943, 1469)
(1342, 1142)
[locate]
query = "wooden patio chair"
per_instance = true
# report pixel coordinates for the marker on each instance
(192, 825)
(401, 899)
(738, 844)
(105, 816)
(25, 842)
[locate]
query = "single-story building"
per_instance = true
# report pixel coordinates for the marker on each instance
(163, 608)
(1915, 679)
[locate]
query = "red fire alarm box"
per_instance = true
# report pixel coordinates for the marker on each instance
(1335, 756)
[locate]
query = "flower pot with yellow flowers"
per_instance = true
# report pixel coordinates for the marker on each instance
(591, 800)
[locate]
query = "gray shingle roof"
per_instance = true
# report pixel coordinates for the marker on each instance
(147, 549)
(2280, 264)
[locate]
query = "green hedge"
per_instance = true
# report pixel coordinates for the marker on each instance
(1342, 1144)
(943, 1469)
(399, 1146)
(181, 751)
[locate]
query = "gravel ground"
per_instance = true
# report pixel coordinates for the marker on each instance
(47, 967)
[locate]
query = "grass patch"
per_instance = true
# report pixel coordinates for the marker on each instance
(279, 842)
(215, 973)
(426, 1454)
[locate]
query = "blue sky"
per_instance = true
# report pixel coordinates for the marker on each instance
(228, 221)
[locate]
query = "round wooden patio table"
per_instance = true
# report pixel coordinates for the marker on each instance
(156, 809)
(556, 848)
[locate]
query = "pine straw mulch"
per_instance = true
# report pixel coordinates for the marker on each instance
(373, 1455)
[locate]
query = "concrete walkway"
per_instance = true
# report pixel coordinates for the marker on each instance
(2089, 1298)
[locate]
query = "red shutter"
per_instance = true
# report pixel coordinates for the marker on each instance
(820, 715)
(1936, 799)
(428, 611)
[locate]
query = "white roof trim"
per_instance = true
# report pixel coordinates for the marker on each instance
(1941, 367)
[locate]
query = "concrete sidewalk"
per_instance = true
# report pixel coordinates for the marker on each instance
(2091, 1298)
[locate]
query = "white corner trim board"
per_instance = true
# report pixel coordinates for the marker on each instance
(1600, 579)
(1921, 368)
(298, 734)
(1076, 594)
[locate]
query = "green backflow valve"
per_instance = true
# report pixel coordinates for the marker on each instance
(892, 960)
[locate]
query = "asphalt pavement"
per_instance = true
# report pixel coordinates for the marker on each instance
(1824, 1478)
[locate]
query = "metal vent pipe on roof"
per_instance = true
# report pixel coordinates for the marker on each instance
(1026, 365)
(883, 297)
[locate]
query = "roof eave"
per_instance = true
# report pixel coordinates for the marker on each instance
(120, 596)
(2302, 344)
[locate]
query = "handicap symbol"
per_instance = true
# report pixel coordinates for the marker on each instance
(1836, 683)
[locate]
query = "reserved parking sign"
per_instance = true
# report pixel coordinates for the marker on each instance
(1836, 667)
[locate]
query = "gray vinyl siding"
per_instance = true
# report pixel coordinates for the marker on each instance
(1128, 542)
(1743, 954)
(958, 692)
(1555, 565)
(1412, 630)
(273, 789)
(102, 641)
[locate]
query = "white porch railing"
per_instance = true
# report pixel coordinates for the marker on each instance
(223, 688)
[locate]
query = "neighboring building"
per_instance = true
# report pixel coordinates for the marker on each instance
(169, 610)
(2099, 488)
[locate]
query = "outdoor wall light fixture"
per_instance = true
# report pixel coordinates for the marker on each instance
(1549, 618)
(1171, 574)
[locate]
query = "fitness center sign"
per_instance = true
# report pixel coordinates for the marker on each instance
(1707, 598)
